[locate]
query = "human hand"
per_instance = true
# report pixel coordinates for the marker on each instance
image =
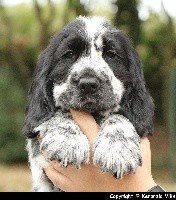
(90, 178)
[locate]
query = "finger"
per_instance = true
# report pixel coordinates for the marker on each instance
(87, 124)
(58, 179)
(56, 165)
(67, 171)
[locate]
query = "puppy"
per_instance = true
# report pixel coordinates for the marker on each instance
(90, 66)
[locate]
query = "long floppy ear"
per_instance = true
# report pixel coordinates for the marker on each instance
(137, 104)
(40, 104)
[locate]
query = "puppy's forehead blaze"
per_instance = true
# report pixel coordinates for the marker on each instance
(94, 29)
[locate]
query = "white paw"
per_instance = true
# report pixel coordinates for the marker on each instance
(67, 145)
(117, 147)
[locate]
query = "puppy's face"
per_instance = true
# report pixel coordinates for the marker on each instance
(89, 66)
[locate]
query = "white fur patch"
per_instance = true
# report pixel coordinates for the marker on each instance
(94, 31)
(93, 25)
(37, 164)
(118, 87)
(58, 90)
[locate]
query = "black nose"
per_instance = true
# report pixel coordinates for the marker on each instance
(89, 84)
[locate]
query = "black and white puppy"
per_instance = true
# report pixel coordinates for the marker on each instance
(90, 66)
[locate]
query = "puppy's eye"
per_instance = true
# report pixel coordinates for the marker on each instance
(111, 54)
(69, 54)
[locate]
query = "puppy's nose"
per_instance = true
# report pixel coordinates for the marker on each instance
(89, 84)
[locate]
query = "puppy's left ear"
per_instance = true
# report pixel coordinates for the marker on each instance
(137, 104)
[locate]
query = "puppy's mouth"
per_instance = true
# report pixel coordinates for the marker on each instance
(89, 106)
(93, 104)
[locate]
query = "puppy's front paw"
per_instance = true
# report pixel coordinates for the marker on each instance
(117, 147)
(67, 145)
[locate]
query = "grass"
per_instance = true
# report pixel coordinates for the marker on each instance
(17, 178)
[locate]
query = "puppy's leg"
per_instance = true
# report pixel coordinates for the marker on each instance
(40, 181)
(64, 141)
(117, 147)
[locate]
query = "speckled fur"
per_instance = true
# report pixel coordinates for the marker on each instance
(63, 140)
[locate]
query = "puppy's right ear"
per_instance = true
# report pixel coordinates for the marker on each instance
(40, 103)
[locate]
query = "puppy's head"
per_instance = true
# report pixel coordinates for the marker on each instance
(84, 63)
(91, 66)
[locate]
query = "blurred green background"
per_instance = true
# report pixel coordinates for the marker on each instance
(25, 30)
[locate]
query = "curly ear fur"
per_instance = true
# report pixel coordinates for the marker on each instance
(40, 105)
(137, 104)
